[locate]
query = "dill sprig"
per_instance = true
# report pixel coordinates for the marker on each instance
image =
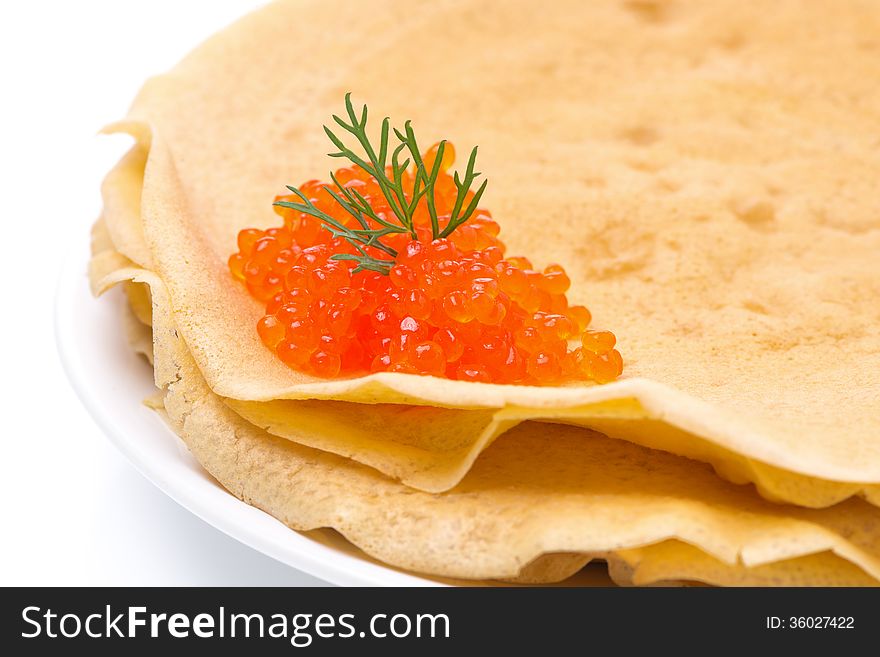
(402, 202)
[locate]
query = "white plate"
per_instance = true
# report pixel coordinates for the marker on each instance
(111, 380)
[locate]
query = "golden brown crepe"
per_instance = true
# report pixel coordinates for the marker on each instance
(707, 178)
(705, 172)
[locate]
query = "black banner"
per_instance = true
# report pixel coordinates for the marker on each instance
(435, 621)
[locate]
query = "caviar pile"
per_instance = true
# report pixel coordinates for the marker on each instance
(454, 307)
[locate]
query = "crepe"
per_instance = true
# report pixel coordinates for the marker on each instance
(705, 176)
(704, 172)
(535, 507)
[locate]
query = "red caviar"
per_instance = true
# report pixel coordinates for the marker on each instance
(453, 307)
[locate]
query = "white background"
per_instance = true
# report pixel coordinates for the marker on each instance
(74, 512)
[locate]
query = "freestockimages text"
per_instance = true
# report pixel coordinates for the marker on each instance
(299, 629)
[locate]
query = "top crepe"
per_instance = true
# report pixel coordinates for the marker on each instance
(706, 173)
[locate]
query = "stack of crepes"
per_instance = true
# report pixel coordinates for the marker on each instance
(707, 174)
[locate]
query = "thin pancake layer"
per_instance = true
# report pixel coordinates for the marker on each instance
(121, 193)
(674, 560)
(432, 448)
(699, 176)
